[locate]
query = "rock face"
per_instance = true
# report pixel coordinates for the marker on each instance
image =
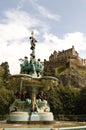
(72, 78)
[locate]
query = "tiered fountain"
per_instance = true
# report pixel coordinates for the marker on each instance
(31, 105)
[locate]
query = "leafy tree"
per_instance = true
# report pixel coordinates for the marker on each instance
(54, 101)
(6, 95)
(14, 84)
(81, 102)
(6, 98)
(1, 77)
(6, 73)
(68, 98)
(62, 100)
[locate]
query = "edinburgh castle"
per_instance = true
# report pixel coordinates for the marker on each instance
(67, 58)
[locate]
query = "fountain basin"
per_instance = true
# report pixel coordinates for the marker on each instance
(44, 82)
(32, 109)
(20, 117)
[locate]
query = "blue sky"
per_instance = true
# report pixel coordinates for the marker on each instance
(57, 25)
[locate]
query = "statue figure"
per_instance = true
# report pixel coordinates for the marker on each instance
(32, 41)
(34, 68)
(32, 63)
(24, 65)
(39, 68)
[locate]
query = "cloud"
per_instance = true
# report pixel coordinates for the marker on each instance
(48, 14)
(14, 39)
(45, 12)
(20, 4)
(14, 36)
(52, 42)
(17, 25)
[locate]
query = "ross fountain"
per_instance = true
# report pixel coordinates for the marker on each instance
(31, 106)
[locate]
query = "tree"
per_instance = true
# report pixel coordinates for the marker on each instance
(6, 95)
(1, 77)
(6, 73)
(62, 100)
(68, 97)
(81, 102)
(54, 101)
(6, 98)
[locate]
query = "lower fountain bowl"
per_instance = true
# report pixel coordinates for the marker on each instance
(29, 118)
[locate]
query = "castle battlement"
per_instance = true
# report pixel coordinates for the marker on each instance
(68, 58)
(64, 53)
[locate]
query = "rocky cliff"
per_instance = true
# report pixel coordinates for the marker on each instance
(72, 77)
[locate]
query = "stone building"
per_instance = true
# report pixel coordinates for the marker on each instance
(66, 58)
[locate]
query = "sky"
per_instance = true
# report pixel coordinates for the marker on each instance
(57, 25)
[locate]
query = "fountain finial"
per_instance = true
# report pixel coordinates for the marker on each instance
(32, 33)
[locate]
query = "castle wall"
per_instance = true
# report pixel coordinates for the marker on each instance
(66, 58)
